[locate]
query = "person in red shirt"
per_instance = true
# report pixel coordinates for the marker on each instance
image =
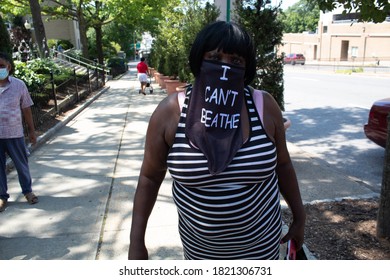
(143, 72)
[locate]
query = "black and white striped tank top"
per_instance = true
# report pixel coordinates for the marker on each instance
(234, 214)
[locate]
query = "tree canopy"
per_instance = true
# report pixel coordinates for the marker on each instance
(129, 16)
(262, 22)
(300, 17)
(369, 10)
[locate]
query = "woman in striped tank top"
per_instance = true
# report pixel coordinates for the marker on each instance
(225, 148)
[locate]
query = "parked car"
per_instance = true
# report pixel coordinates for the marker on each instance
(294, 58)
(376, 127)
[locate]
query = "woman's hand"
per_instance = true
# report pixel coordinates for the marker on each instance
(295, 232)
(138, 252)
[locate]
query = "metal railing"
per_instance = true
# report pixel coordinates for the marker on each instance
(82, 61)
(359, 64)
(52, 99)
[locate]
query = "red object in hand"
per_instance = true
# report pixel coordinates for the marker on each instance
(291, 250)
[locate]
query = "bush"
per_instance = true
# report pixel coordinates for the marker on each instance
(54, 43)
(45, 66)
(36, 76)
(118, 65)
(34, 81)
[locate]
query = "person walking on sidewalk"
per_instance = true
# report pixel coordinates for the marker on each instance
(15, 102)
(143, 72)
(227, 156)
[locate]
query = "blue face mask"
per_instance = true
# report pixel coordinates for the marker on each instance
(3, 73)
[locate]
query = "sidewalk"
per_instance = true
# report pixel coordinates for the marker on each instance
(86, 174)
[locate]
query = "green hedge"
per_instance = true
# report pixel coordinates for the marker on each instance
(118, 65)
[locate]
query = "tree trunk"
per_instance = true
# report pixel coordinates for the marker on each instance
(383, 222)
(83, 30)
(39, 28)
(99, 44)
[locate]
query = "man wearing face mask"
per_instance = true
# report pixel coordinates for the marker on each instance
(224, 145)
(15, 103)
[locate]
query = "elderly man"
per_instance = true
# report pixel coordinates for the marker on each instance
(15, 102)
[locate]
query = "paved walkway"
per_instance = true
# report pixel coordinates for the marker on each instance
(85, 174)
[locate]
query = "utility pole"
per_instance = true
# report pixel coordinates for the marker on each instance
(227, 10)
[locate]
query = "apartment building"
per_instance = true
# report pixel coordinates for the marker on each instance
(63, 29)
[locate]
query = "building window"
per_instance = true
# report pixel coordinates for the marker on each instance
(325, 29)
(354, 52)
(347, 17)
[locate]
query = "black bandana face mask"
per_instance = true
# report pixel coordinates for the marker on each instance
(214, 113)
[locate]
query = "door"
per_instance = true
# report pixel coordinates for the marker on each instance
(344, 50)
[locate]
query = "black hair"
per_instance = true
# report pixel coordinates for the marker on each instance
(228, 37)
(7, 57)
(142, 58)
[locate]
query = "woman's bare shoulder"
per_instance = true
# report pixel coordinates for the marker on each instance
(270, 103)
(166, 117)
(168, 107)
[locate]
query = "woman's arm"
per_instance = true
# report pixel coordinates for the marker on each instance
(153, 170)
(288, 183)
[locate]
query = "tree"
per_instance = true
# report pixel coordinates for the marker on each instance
(261, 21)
(139, 14)
(5, 42)
(300, 17)
(23, 7)
(93, 14)
(369, 10)
(182, 20)
(40, 33)
(71, 10)
(195, 18)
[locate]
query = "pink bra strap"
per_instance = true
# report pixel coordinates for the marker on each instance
(180, 98)
(259, 102)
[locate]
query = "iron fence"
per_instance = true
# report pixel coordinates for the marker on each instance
(53, 99)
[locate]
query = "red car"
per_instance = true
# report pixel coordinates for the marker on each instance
(376, 127)
(294, 58)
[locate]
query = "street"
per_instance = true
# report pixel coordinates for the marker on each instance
(328, 112)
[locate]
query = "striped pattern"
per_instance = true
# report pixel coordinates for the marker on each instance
(232, 215)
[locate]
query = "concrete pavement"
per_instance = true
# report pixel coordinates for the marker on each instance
(85, 173)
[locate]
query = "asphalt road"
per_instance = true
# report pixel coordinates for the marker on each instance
(328, 112)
